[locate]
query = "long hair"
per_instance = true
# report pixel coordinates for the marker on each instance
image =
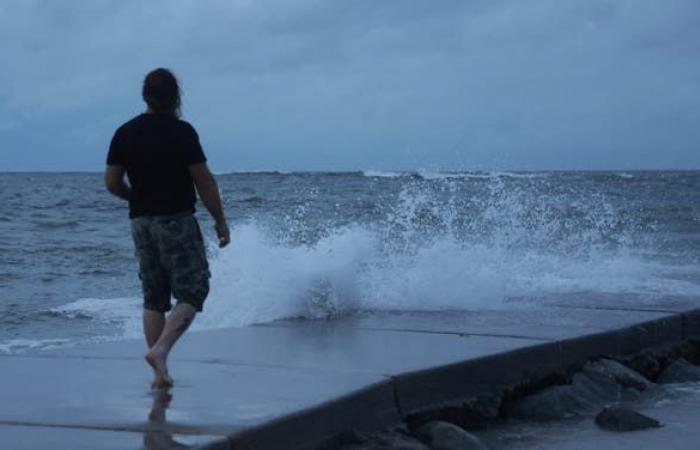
(161, 92)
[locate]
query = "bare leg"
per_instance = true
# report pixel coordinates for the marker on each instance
(175, 326)
(153, 323)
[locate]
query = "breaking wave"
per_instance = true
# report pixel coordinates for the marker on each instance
(436, 248)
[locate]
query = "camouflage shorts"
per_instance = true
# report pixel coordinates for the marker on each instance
(172, 260)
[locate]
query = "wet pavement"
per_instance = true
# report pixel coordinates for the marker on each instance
(283, 384)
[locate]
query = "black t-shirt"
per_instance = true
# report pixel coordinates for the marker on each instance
(156, 150)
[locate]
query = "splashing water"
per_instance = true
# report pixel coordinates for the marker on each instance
(430, 243)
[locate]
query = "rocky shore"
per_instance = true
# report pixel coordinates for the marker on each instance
(605, 391)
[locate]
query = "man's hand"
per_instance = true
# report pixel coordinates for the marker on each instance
(223, 233)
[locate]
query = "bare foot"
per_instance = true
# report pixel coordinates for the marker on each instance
(157, 361)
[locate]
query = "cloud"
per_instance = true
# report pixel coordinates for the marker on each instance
(310, 84)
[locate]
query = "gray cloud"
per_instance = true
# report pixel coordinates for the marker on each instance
(311, 84)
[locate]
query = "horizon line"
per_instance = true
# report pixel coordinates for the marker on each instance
(379, 171)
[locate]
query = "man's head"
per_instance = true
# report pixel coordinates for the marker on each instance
(161, 92)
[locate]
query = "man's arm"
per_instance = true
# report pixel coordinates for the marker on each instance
(114, 181)
(209, 193)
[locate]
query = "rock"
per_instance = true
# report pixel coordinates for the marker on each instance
(446, 436)
(347, 440)
(388, 440)
(598, 383)
(470, 413)
(602, 388)
(484, 406)
(618, 374)
(646, 363)
(680, 371)
(624, 419)
(400, 441)
(586, 393)
(556, 402)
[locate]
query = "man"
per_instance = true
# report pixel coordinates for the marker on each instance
(164, 162)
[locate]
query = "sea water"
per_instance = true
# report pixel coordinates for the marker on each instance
(322, 245)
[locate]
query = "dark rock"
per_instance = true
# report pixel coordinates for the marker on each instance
(472, 413)
(646, 363)
(602, 388)
(587, 392)
(612, 381)
(556, 402)
(618, 374)
(680, 371)
(446, 436)
(345, 440)
(399, 441)
(623, 419)
(388, 440)
(598, 383)
(485, 406)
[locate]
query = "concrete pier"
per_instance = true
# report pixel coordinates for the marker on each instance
(293, 383)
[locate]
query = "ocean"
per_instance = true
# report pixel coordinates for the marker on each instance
(321, 245)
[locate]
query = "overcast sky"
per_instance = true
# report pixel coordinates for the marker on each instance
(361, 84)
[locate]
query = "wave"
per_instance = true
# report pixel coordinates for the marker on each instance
(57, 224)
(11, 346)
(122, 312)
(431, 175)
(381, 174)
(426, 255)
(258, 280)
(254, 199)
(480, 175)
(254, 172)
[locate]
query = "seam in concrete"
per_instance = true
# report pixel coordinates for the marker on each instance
(613, 308)
(136, 428)
(423, 331)
(458, 333)
(196, 361)
(134, 358)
